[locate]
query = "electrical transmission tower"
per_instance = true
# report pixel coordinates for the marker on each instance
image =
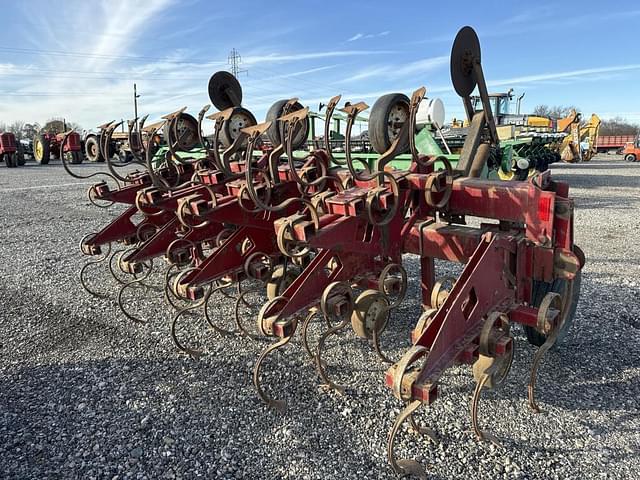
(235, 60)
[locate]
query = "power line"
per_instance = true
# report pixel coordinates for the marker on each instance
(235, 60)
(36, 51)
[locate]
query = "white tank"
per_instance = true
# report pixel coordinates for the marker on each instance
(430, 111)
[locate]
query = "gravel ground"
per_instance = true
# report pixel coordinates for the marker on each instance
(85, 393)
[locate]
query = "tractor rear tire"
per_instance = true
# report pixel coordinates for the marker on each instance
(540, 289)
(20, 155)
(92, 149)
(630, 157)
(41, 150)
(386, 111)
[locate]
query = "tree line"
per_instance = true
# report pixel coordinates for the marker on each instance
(26, 131)
(613, 126)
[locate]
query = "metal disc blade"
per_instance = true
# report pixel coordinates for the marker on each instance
(465, 51)
(224, 90)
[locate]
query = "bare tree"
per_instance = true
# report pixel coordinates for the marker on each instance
(618, 126)
(555, 111)
(29, 130)
(16, 127)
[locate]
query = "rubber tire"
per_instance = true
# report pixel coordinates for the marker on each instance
(46, 150)
(10, 160)
(540, 289)
(225, 134)
(630, 157)
(378, 129)
(273, 132)
(20, 158)
(89, 144)
(194, 124)
(76, 157)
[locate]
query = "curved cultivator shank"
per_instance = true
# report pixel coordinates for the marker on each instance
(246, 213)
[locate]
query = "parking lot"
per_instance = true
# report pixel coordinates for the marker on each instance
(86, 393)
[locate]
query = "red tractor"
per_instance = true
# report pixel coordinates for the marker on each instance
(49, 141)
(8, 149)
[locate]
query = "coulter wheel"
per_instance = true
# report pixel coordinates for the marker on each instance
(224, 90)
(465, 51)
(371, 313)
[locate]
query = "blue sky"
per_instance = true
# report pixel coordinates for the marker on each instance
(79, 59)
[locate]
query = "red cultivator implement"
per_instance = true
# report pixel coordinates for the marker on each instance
(320, 236)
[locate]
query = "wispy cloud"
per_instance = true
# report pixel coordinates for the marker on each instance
(417, 67)
(294, 57)
(363, 36)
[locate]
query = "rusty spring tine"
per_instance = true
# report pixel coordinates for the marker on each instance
(192, 352)
(112, 270)
(305, 329)
(292, 121)
(131, 124)
(84, 283)
(204, 143)
(279, 405)
(207, 315)
(83, 177)
(241, 299)
(475, 400)
(130, 284)
(404, 466)
(352, 112)
(216, 146)
(107, 141)
(331, 106)
(551, 339)
(158, 182)
(391, 213)
(321, 365)
(169, 295)
(416, 99)
(91, 192)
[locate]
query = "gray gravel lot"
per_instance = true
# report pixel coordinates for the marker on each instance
(85, 393)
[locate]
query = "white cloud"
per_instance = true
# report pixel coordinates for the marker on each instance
(363, 36)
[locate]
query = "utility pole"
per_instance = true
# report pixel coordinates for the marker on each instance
(135, 101)
(234, 60)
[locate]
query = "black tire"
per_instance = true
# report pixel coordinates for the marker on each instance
(10, 160)
(187, 142)
(45, 155)
(74, 157)
(630, 157)
(92, 149)
(273, 132)
(20, 155)
(540, 289)
(388, 109)
(240, 118)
